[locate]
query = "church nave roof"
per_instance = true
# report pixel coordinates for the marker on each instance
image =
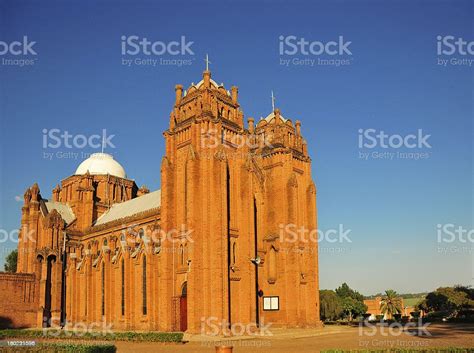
(131, 207)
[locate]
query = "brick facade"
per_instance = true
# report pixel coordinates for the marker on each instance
(19, 298)
(373, 308)
(206, 252)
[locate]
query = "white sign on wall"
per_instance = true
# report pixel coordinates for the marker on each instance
(271, 303)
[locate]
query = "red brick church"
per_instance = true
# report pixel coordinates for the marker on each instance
(205, 248)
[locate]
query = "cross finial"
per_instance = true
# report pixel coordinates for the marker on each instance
(207, 62)
(273, 102)
(103, 143)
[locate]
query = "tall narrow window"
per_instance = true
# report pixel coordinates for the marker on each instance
(144, 307)
(123, 288)
(181, 255)
(272, 264)
(103, 288)
(234, 253)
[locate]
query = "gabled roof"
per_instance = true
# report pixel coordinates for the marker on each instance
(200, 83)
(131, 207)
(63, 208)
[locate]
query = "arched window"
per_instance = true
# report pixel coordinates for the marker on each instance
(123, 287)
(181, 254)
(105, 242)
(184, 289)
(234, 253)
(272, 265)
(144, 306)
(141, 233)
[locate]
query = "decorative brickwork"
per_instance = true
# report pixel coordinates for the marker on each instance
(208, 248)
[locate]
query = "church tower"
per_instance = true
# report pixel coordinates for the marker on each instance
(225, 244)
(229, 193)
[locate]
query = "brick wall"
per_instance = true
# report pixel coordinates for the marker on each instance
(18, 300)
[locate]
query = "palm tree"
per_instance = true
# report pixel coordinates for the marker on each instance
(391, 304)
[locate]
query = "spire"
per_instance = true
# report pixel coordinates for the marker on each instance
(179, 94)
(277, 116)
(35, 192)
(273, 102)
(56, 192)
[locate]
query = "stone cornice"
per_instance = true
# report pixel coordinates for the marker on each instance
(7, 276)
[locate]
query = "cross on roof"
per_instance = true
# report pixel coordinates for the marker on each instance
(207, 62)
(103, 143)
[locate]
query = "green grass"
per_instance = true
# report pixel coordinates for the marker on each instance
(412, 301)
(61, 348)
(175, 337)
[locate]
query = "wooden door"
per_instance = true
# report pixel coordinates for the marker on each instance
(183, 311)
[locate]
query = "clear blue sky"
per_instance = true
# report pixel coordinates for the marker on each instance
(392, 83)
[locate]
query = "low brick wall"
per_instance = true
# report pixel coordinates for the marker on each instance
(18, 300)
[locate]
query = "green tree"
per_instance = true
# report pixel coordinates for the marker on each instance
(345, 291)
(352, 301)
(330, 305)
(11, 261)
(353, 307)
(468, 290)
(451, 299)
(391, 304)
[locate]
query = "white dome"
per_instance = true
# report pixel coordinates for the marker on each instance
(100, 164)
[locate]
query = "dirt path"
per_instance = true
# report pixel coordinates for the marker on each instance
(442, 335)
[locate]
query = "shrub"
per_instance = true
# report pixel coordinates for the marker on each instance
(63, 348)
(175, 337)
(437, 315)
(415, 314)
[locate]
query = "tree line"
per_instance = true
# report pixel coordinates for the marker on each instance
(343, 303)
